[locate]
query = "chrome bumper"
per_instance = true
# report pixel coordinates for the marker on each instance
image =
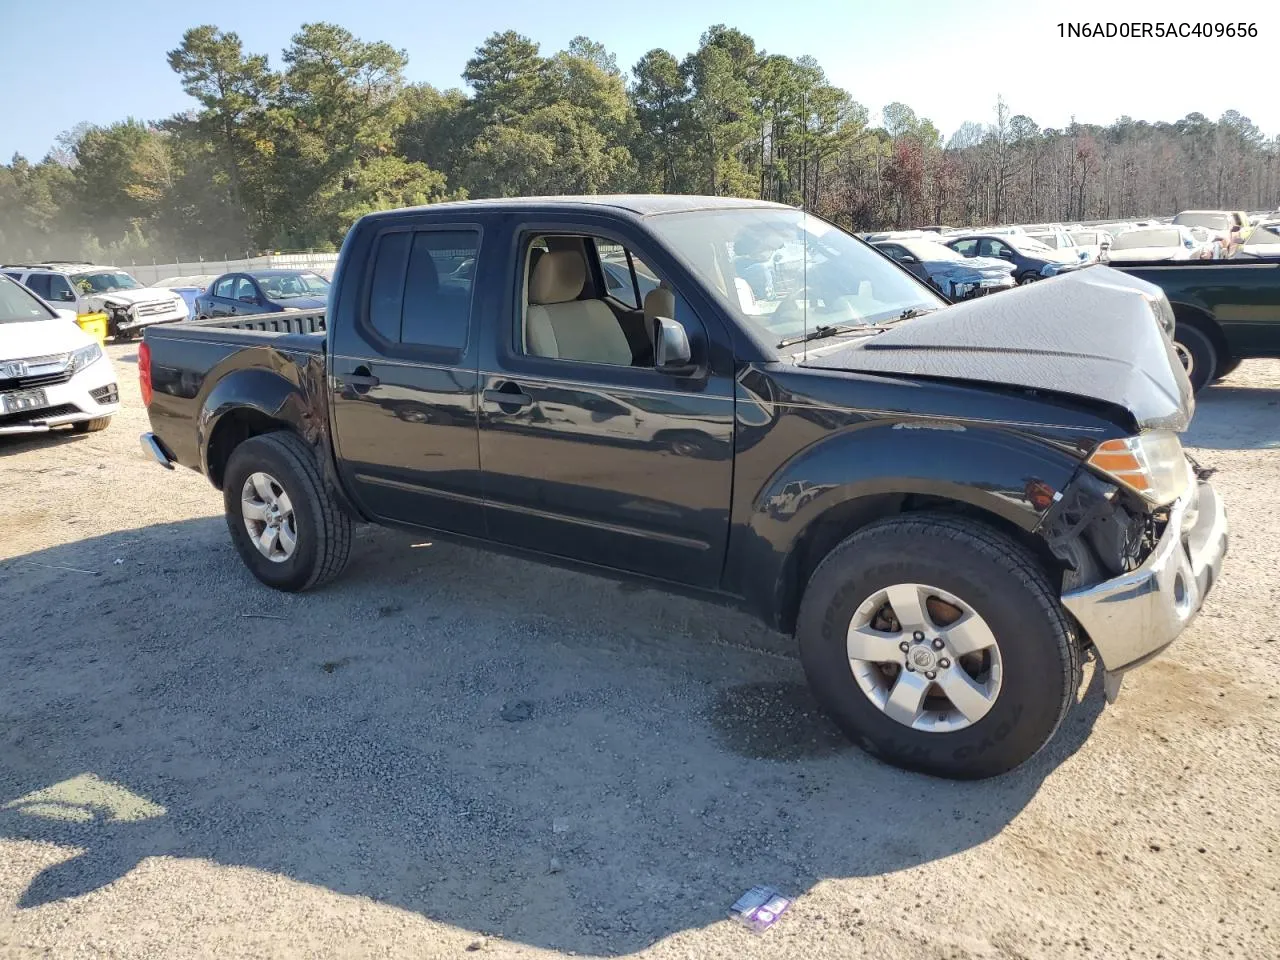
(1133, 617)
(151, 443)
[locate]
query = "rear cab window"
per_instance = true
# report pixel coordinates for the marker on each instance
(420, 290)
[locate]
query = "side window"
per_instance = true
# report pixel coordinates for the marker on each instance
(244, 288)
(13, 276)
(895, 251)
(60, 290)
(39, 284)
(420, 292)
(966, 248)
(223, 287)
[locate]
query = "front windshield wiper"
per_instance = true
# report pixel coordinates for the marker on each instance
(913, 313)
(821, 333)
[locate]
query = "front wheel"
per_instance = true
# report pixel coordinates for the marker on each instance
(283, 519)
(937, 644)
(1028, 277)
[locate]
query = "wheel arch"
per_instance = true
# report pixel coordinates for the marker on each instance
(1203, 320)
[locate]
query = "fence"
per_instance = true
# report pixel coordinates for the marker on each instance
(149, 273)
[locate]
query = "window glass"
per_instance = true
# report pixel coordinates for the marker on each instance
(223, 287)
(38, 283)
(966, 248)
(17, 305)
(244, 288)
(893, 250)
(60, 290)
(617, 272)
(13, 276)
(421, 288)
(437, 290)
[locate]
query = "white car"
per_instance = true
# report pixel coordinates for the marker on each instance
(1094, 242)
(1059, 239)
(52, 373)
(85, 288)
(1168, 242)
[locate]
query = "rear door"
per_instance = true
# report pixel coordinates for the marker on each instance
(613, 464)
(220, 300)
(403, 373)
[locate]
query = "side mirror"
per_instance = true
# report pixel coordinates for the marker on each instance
(671, 352)
(66, 296)
(1005, 255)
(910, 258)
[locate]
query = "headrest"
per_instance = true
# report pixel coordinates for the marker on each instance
(557, 277)
(660, 302)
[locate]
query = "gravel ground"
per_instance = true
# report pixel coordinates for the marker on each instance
(422, 762)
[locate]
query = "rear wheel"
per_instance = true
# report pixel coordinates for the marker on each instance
(283, 519)
(1198, 355)
(937, 644)
(1028, 277)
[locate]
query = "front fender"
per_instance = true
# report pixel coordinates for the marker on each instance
(857, 475)
(262, 391)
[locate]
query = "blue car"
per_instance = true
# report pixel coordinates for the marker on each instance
(955, 276)
(263, 291)
(1031, 259)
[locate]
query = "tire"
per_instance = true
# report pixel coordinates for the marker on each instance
(1039, 654)
(1226, 368)
(1028, 277)
(92, 426)
(321, 531)
(1197, 353)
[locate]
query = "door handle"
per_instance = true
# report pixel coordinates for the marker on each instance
(512, 397)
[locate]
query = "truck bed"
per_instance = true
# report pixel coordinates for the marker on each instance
(292, 321)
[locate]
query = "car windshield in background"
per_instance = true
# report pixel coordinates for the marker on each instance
(1264, 234)
(1214, 221)
(788, 273)
(928, 250)
(19, 306)
(1085, 239)
(1134, 239)
(104, 281)
(286, 286)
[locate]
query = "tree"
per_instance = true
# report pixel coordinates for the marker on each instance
(508, 77)
(660, 97)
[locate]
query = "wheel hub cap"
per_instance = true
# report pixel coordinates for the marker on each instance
(268, 517)
(924, 657)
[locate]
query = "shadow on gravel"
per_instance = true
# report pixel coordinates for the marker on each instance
(13, 444)
(1236, 418)
(536, 756)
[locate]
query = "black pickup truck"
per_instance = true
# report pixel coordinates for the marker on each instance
(949, 506)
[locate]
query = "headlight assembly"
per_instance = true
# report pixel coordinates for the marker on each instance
(1152, 465)
(81, 358)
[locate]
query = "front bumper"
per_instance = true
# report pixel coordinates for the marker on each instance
(68, 402)
(1131, 618)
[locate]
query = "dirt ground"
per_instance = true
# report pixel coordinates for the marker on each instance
(442, 755)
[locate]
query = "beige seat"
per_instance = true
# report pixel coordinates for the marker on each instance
(658, 302)
(560, 325)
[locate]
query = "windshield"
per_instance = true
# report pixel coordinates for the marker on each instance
(1214, 221)
(928, 250)
(1264, 233)
(104, 281)
(19, 306)
(787, 272)
(1133, 239)
(286, 286)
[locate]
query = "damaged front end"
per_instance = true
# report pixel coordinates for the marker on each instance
(1135, 574)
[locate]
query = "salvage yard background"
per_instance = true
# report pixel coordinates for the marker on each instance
(440, 753)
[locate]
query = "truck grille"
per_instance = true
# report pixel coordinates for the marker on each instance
(155, 307)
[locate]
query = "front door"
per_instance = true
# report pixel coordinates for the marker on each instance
(404, 380)
(222, 296)
(590, 453)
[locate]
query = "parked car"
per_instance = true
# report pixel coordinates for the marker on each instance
(85, 288)
(1031, 259)
(1095, 242)
(973, 518)
(262, 291)
(1155, 243)
(1226, 311)
(188, 287)
(1263, 241)
(1062, 241)
(1208, 246)
(956, 277)
(52, 373)
(1230, 226)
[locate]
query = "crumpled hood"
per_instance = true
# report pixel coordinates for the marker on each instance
(141, 295)
(40, 338)
(1091, 333)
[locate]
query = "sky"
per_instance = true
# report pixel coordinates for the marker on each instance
(946, 60)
